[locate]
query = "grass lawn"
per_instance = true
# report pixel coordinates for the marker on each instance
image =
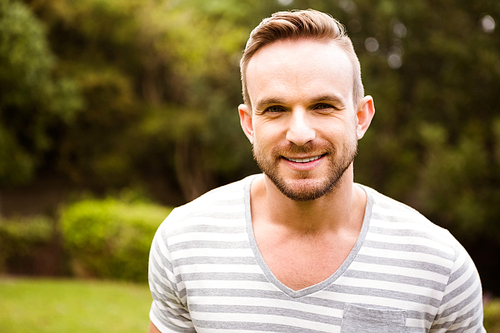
(61, 306)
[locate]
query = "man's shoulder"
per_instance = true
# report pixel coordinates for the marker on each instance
(393, 216)
(225, 202)
(383, 204)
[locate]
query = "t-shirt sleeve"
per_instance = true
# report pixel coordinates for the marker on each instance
(461, 308)
(169, 312)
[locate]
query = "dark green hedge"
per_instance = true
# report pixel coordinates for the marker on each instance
(20, 237)
(110, 238)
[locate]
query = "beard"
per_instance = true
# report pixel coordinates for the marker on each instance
(302, 187)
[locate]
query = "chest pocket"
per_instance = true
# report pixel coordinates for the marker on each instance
(358, 319)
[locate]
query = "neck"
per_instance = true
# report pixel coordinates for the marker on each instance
(341, 208)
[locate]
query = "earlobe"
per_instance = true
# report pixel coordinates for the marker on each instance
(246, 121)
(366, 111)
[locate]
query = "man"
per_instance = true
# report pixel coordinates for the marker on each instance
(302, 248)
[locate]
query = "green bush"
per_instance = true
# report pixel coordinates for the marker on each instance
(110, 238)
(19, 237)
(492, 316)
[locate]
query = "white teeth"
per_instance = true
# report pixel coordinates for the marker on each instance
(304, 160)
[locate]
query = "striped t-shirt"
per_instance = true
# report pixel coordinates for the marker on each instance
(404, 274)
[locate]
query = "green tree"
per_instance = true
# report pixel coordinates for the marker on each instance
(160, 83)
(34, 99)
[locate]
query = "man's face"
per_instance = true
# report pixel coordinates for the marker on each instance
(303, 122)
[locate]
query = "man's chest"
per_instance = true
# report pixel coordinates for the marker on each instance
(299, 263)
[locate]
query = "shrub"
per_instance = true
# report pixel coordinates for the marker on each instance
(110, 238)
(20, 237)
(492, 316)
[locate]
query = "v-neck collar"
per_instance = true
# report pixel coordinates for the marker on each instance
(321, 285)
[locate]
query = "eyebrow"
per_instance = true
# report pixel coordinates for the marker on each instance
(320, 98)
(331, 98)
(267, 101)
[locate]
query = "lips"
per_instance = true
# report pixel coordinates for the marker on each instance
(304, 160)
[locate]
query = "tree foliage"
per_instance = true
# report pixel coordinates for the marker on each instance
(33, 98)
(160, 82)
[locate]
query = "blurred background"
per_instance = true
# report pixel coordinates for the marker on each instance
(114, 111)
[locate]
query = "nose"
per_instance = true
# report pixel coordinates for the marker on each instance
(300, 130)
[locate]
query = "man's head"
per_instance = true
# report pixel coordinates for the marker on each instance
(304, 108)
(307, 24)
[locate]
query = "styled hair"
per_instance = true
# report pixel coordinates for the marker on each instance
(296, 25)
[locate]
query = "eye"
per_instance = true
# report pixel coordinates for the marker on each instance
(275, 109)
(323, 106)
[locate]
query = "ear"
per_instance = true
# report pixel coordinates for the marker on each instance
(364, 116)
(246, 121)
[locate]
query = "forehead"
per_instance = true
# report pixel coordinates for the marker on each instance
(293, 67)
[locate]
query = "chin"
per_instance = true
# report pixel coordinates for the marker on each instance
(302, 190)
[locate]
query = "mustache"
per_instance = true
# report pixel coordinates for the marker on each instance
(309, 147)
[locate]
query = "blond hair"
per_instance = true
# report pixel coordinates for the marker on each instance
(301, 24)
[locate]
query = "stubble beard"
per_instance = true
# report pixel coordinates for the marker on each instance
(302, 188)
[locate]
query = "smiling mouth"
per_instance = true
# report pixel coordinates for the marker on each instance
(304, 160)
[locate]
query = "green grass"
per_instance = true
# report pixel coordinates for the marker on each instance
(61, 306)
(57, 306)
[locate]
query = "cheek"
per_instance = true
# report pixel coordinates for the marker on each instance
(261, 143)
(264, 134)
(350, 129)
(266, 144)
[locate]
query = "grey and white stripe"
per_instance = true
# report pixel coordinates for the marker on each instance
(404, 274)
